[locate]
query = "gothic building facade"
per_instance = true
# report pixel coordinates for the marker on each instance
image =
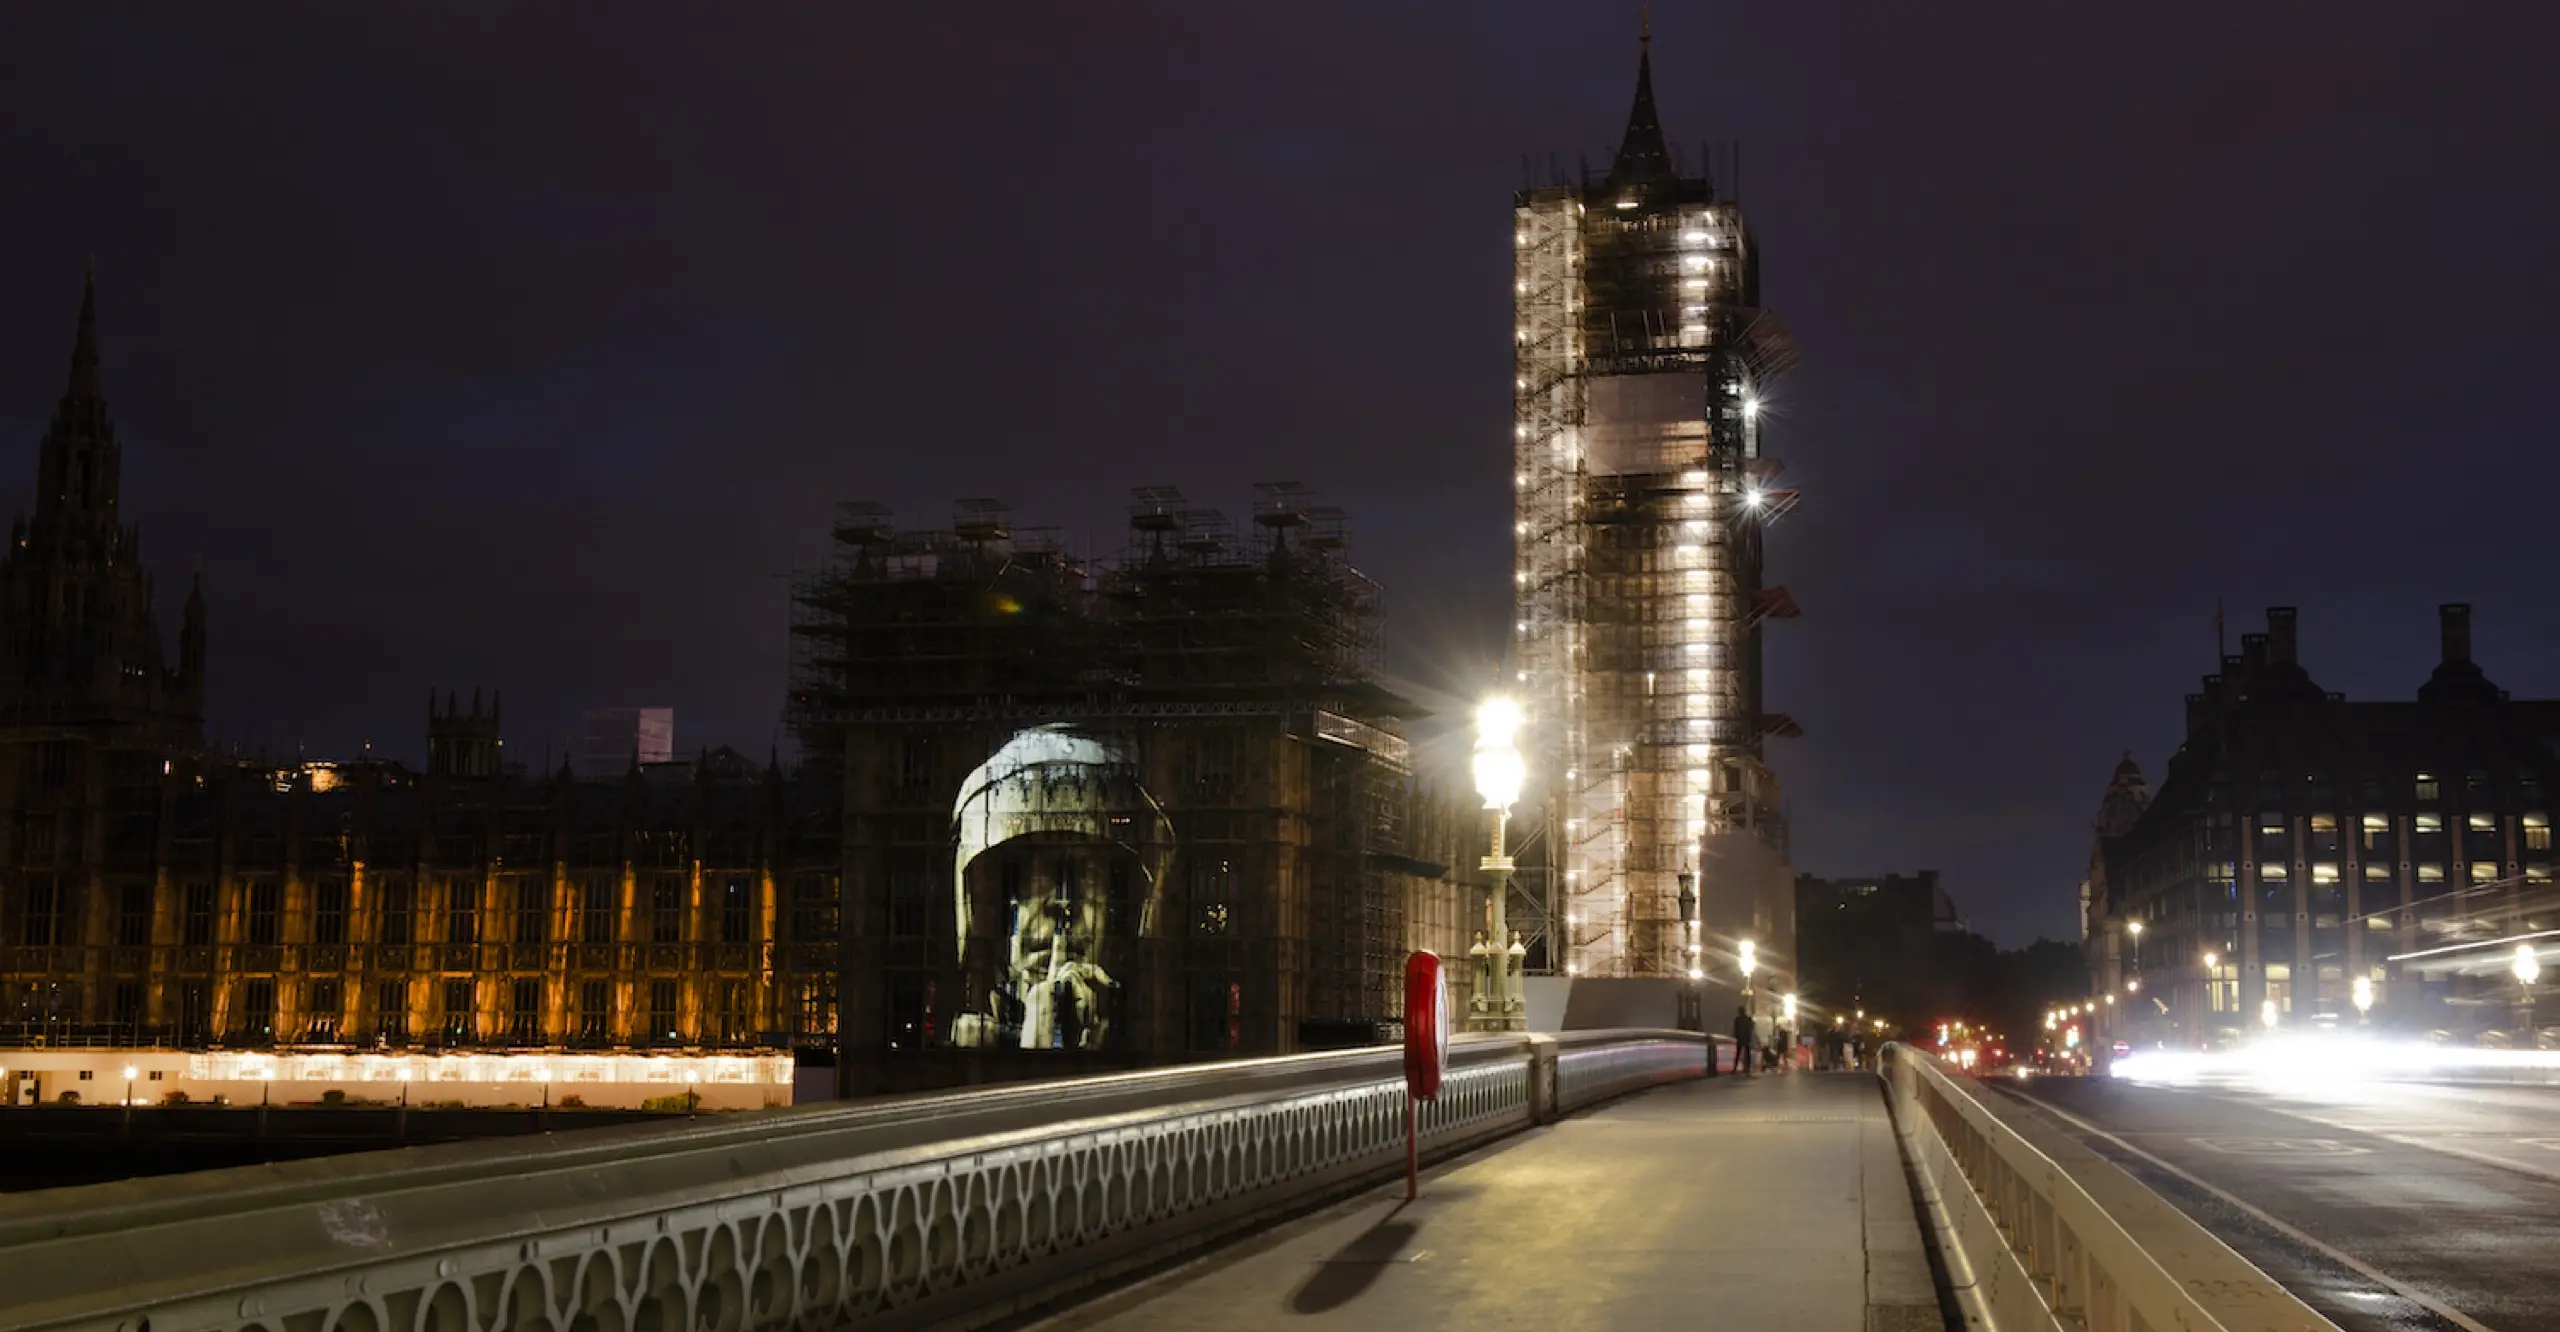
(1150, 813)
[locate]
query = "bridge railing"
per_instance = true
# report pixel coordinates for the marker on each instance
(919, 1211)
(2026, 1244)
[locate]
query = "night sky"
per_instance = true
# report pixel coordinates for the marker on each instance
(530, 352)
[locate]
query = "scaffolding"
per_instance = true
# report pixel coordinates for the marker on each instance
(1253, 638)
(1640, 354)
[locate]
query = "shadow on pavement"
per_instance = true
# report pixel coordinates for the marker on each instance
(1354, 1268)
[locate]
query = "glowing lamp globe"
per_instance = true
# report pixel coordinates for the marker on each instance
(1499, 769)
(2527, 965)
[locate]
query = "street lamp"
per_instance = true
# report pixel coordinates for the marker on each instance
(2362, 993)
(130, 1073)
(1750, 963)
(2267, 1013)
(1787, 1008)
(1499, 772)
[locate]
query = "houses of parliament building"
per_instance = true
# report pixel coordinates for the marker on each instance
(155, 897)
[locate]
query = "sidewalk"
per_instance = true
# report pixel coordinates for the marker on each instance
(1772, 1203)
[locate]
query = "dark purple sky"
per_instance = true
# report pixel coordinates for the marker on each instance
(531, 352)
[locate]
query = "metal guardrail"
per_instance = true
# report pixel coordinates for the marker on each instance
(2026, 1246)
(935, 1210)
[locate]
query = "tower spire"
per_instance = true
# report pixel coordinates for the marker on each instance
(86, 383)
(1643, 157)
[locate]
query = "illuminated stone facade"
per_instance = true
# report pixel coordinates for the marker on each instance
(1153, 812)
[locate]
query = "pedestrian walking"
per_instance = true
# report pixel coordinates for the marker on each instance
(1745, 1046)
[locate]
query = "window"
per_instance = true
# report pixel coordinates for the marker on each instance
(391, 1010)
(2324, 834)
(329, 910)
(1217, 1015)
(528, 894)
(814, 1009)
(263, 895)
(595, 909)
(35, 838)
(327, 998)
(52, 763)
(258, 1009)
(133, 915)
(42, 913)
(2424, 786)
(458, 1025)
(128, 1001)
(1213, 898)
(462, 911)
(915, 761)
(2537, 832)
(524, 1011)
(2376, 873)
(195, 1011)
(910, 898)
(2483, 872)
(737, 909)
(813, 908)
(666, 909)
(662, 1010)
(733, 1013)
(398, 908)
(910, 1013)
(595, 1011)
(2426, 837)
(2431, 874)
(2374, 838)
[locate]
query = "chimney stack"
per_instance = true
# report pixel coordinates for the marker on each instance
(2453, 624)
(2253, 652)
(2280, 645)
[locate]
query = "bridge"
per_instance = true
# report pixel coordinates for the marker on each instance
(1590, 1179)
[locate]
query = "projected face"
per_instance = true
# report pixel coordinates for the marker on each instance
(1060, 853)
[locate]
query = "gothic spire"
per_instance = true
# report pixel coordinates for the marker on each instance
(1643, 157)
(86, 383)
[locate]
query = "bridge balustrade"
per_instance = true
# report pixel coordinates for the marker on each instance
(946, 1209)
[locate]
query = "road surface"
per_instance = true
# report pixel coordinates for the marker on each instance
(2382, 1205)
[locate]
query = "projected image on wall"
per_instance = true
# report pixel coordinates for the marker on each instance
(1060, 864)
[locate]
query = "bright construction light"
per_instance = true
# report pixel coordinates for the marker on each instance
(1499, 769)
(1750, 959)
(2527, 966)
(2267, 1014)
(1750, 408)
(2362, 993)
(1752, 499)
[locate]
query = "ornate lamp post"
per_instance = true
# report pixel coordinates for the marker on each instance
(1499, 772)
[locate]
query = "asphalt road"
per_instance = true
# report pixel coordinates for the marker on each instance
(2387, 1206)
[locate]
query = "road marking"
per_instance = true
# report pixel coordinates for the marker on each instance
(2365, 1270)
(2509, 1165)
(2280, 1147)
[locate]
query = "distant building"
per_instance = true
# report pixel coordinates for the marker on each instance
(1914, 902)
(2118, 810)
(2300, 842)
(611, 740)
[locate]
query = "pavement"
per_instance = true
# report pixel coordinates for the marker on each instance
(1770, 1203)
(2388, 1207)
